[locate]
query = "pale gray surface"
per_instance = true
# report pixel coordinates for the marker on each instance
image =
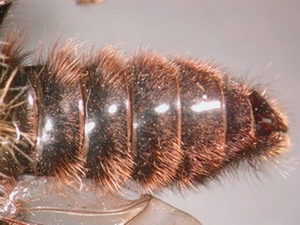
(254, 38)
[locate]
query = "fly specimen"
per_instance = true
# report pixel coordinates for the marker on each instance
(144, 123)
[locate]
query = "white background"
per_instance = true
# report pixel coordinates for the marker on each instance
(254, 38)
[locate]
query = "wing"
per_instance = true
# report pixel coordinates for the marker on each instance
(49, 201)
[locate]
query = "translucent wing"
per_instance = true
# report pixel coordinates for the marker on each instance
(47, 201)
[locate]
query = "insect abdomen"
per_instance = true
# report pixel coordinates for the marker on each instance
(150, 119)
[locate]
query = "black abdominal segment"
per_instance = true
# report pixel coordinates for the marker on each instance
(153, 120)
(4, 9)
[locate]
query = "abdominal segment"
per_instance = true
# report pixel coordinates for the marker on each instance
(153, 120)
